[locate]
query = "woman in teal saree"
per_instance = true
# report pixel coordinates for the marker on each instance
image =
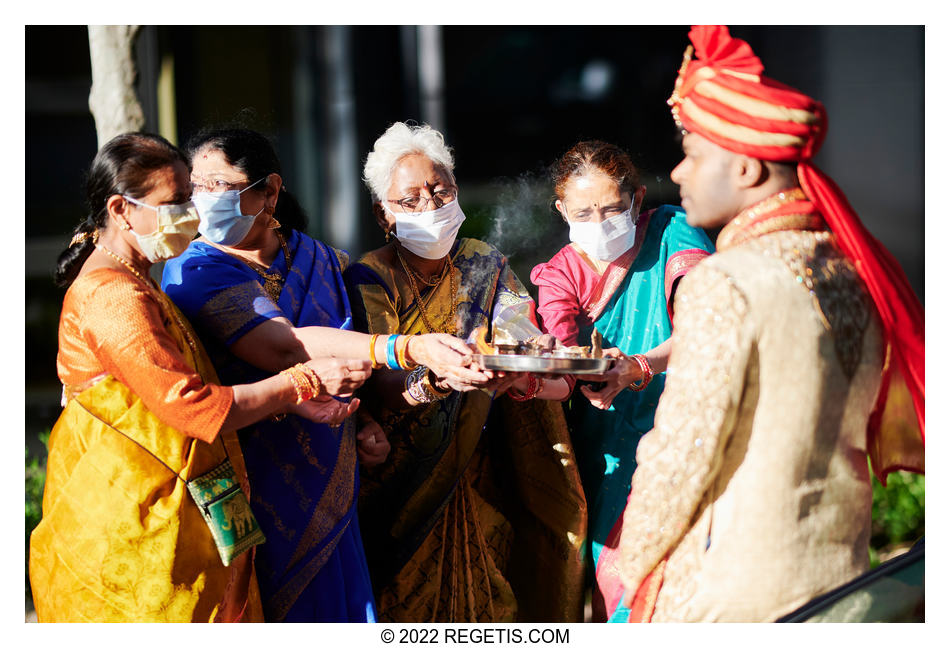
(618, 276)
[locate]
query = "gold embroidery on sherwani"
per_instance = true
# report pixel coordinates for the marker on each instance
(677, 459)
(837, 291)
(803, 244)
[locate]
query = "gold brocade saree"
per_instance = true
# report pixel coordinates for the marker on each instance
(478, 513)
(121, 539)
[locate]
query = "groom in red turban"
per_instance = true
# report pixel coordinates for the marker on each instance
(798, 350)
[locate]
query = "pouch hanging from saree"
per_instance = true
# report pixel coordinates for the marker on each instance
(226, 510)
(218, 495)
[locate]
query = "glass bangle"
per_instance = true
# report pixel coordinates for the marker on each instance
(391, 361)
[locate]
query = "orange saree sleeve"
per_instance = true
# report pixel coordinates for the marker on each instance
(113, 324)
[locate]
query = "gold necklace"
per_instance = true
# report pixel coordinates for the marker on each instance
(273, 281)
(167, 306)
(453, 291)
(428, 282)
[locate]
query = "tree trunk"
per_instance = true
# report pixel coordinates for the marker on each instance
(112, 100)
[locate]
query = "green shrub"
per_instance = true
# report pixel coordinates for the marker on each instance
(35, 480)
(897, 514)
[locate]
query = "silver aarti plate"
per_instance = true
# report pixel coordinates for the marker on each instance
(544, 364)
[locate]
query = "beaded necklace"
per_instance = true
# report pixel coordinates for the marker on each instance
(167, 306)
(273, 281)
(454, 284)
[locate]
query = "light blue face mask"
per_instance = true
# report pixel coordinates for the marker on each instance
(221, 219)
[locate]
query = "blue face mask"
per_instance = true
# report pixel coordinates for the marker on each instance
(221, 219)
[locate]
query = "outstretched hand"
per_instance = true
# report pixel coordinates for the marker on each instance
(341, 377)
(624, 372)
(502, 381)
(439, 352)
(450, 359)
(325, 409)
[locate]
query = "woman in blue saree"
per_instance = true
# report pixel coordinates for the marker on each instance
(618, 277)
(262, 295)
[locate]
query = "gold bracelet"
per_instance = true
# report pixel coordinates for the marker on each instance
(402, 355)
(295, 380)
(316, 384)
(306, 387)
(372, 352)
(305, 381)
(410, 363)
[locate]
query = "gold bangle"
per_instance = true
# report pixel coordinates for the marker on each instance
(400, 354)
(402, 357)
(306, 388)
(410, 363)
(316, 385)
(294, 376)
(305, 381)
(372, 351)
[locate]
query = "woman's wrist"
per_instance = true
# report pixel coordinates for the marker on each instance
(402, 352)
(397, 352)
(422, 388)
(305, 382)
(412, 356)
(533, 388)
(374, 352)
(646, 373)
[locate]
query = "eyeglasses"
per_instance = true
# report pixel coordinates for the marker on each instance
(219, 186)
(419, 203)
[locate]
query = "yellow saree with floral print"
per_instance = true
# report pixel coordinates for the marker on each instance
(121, 539)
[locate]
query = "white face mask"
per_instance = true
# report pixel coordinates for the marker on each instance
(429, 234)
(177, 226)
(608, 239)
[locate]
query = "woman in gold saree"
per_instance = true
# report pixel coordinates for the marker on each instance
(145, 426)
(478, 514)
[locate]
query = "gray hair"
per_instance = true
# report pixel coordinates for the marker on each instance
(397, 142)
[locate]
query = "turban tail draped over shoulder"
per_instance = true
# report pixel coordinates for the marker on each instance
(721, 95)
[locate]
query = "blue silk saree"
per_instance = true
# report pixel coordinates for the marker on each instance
(303, 475)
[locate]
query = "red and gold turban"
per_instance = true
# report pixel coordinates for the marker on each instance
(722, 96)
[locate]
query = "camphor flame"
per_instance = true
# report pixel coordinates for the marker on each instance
(481, 342)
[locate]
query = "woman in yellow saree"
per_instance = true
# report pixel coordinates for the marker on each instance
(478, 513)
(146, 432)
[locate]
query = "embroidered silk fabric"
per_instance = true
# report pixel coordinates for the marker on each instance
(723, 96)
(477, 514)
(754, 481)
(112, 324)
(303, 475)
(120, 538)
(630, 305)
